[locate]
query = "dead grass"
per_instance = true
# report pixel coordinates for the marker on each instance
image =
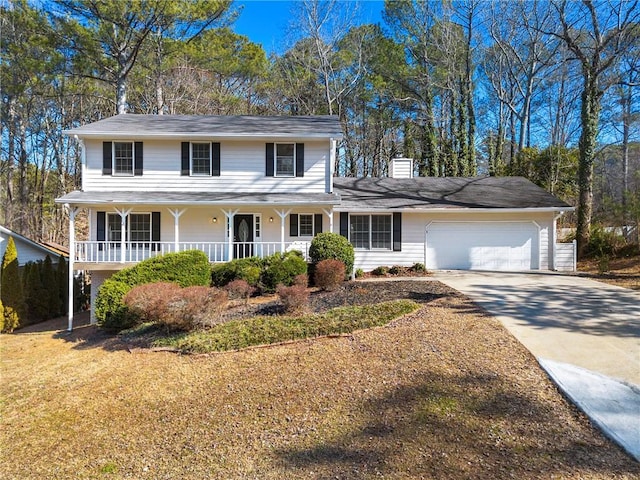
(623, 271)
(443, 393)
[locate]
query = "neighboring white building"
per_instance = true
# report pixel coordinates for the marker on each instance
(235, 186)
(29, 250)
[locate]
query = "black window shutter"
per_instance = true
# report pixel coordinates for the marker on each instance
(102, 226)
(184, 170)
(299, 159)
(293, 225)
(106, 158)
(138, 159)
(215, 153)
(344, 224)
(317, 223)
(269, 160)
(155, 230)
(397, 232)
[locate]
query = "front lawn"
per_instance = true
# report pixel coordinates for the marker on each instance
(443, 392)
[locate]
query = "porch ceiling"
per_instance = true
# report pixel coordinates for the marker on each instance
(197, 198)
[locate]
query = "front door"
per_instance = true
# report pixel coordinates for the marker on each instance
(242, 236)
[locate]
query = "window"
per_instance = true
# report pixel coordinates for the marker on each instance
(123, 158)
(285, 160)
(138, 227)
(306, 225)
(200, 159)
(370, 231)
(381, 231)
(114, 228)
(359, 231)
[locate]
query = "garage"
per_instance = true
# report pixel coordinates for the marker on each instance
(504, 246)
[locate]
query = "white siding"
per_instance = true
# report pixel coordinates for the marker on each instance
(242, 169)
(565, 257)
(27, 252)
(413, 236)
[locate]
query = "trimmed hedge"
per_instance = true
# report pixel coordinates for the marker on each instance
(331, 246)
(190, 268)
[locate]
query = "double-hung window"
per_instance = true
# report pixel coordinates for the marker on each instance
(285, 160)
(137, 228)
(201, 159)
(370, 232)
(306, 225)
(123, 158)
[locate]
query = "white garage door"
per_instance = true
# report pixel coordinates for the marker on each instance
(509, 246)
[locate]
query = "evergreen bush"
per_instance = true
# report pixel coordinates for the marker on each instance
(282, 269)
(190, 268)
(12, 293)
(328, 245)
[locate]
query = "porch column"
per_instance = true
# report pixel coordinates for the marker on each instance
(123, 232)
(282, 214)
(329, 213)
(72, 255)
(176, 226)
(229, 214)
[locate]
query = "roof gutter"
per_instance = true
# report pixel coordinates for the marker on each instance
(458, 210)
(191, 135)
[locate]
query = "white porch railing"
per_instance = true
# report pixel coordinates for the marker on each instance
(111, 252)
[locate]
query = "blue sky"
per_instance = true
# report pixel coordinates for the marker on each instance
(267, 21)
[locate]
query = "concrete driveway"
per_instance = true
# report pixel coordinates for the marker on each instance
(584, 333)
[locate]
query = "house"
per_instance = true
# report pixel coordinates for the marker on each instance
(236, 186)
(30, 250)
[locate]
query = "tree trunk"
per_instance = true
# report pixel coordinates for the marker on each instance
(121, 95)
(590, 113)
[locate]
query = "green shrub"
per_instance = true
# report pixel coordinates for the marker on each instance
(62, 273)
(602, 242)
(184, 268)
(418, 267)
(282, 269)
(12, 292)
(190, 268)
(36, 294)
(248, 269)
(328, 274)
(328, 245)
(1, 316)
(111, 312)
(359, 273)
(380, 271)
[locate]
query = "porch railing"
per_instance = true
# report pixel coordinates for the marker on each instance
(111, 252)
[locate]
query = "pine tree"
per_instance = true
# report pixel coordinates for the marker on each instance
(63, 285)
(51, 288)
(35, 292)
(12, 294)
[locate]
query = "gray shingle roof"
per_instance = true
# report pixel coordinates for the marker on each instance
(443, 192)
(211, 126)
(193, 198)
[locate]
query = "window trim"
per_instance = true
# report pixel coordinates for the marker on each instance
(313, 225)
(275, 160)
(191, 173)
(128, 227)
(114, 173)
(371, 247)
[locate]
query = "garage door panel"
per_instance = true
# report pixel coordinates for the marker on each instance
(482, 246)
